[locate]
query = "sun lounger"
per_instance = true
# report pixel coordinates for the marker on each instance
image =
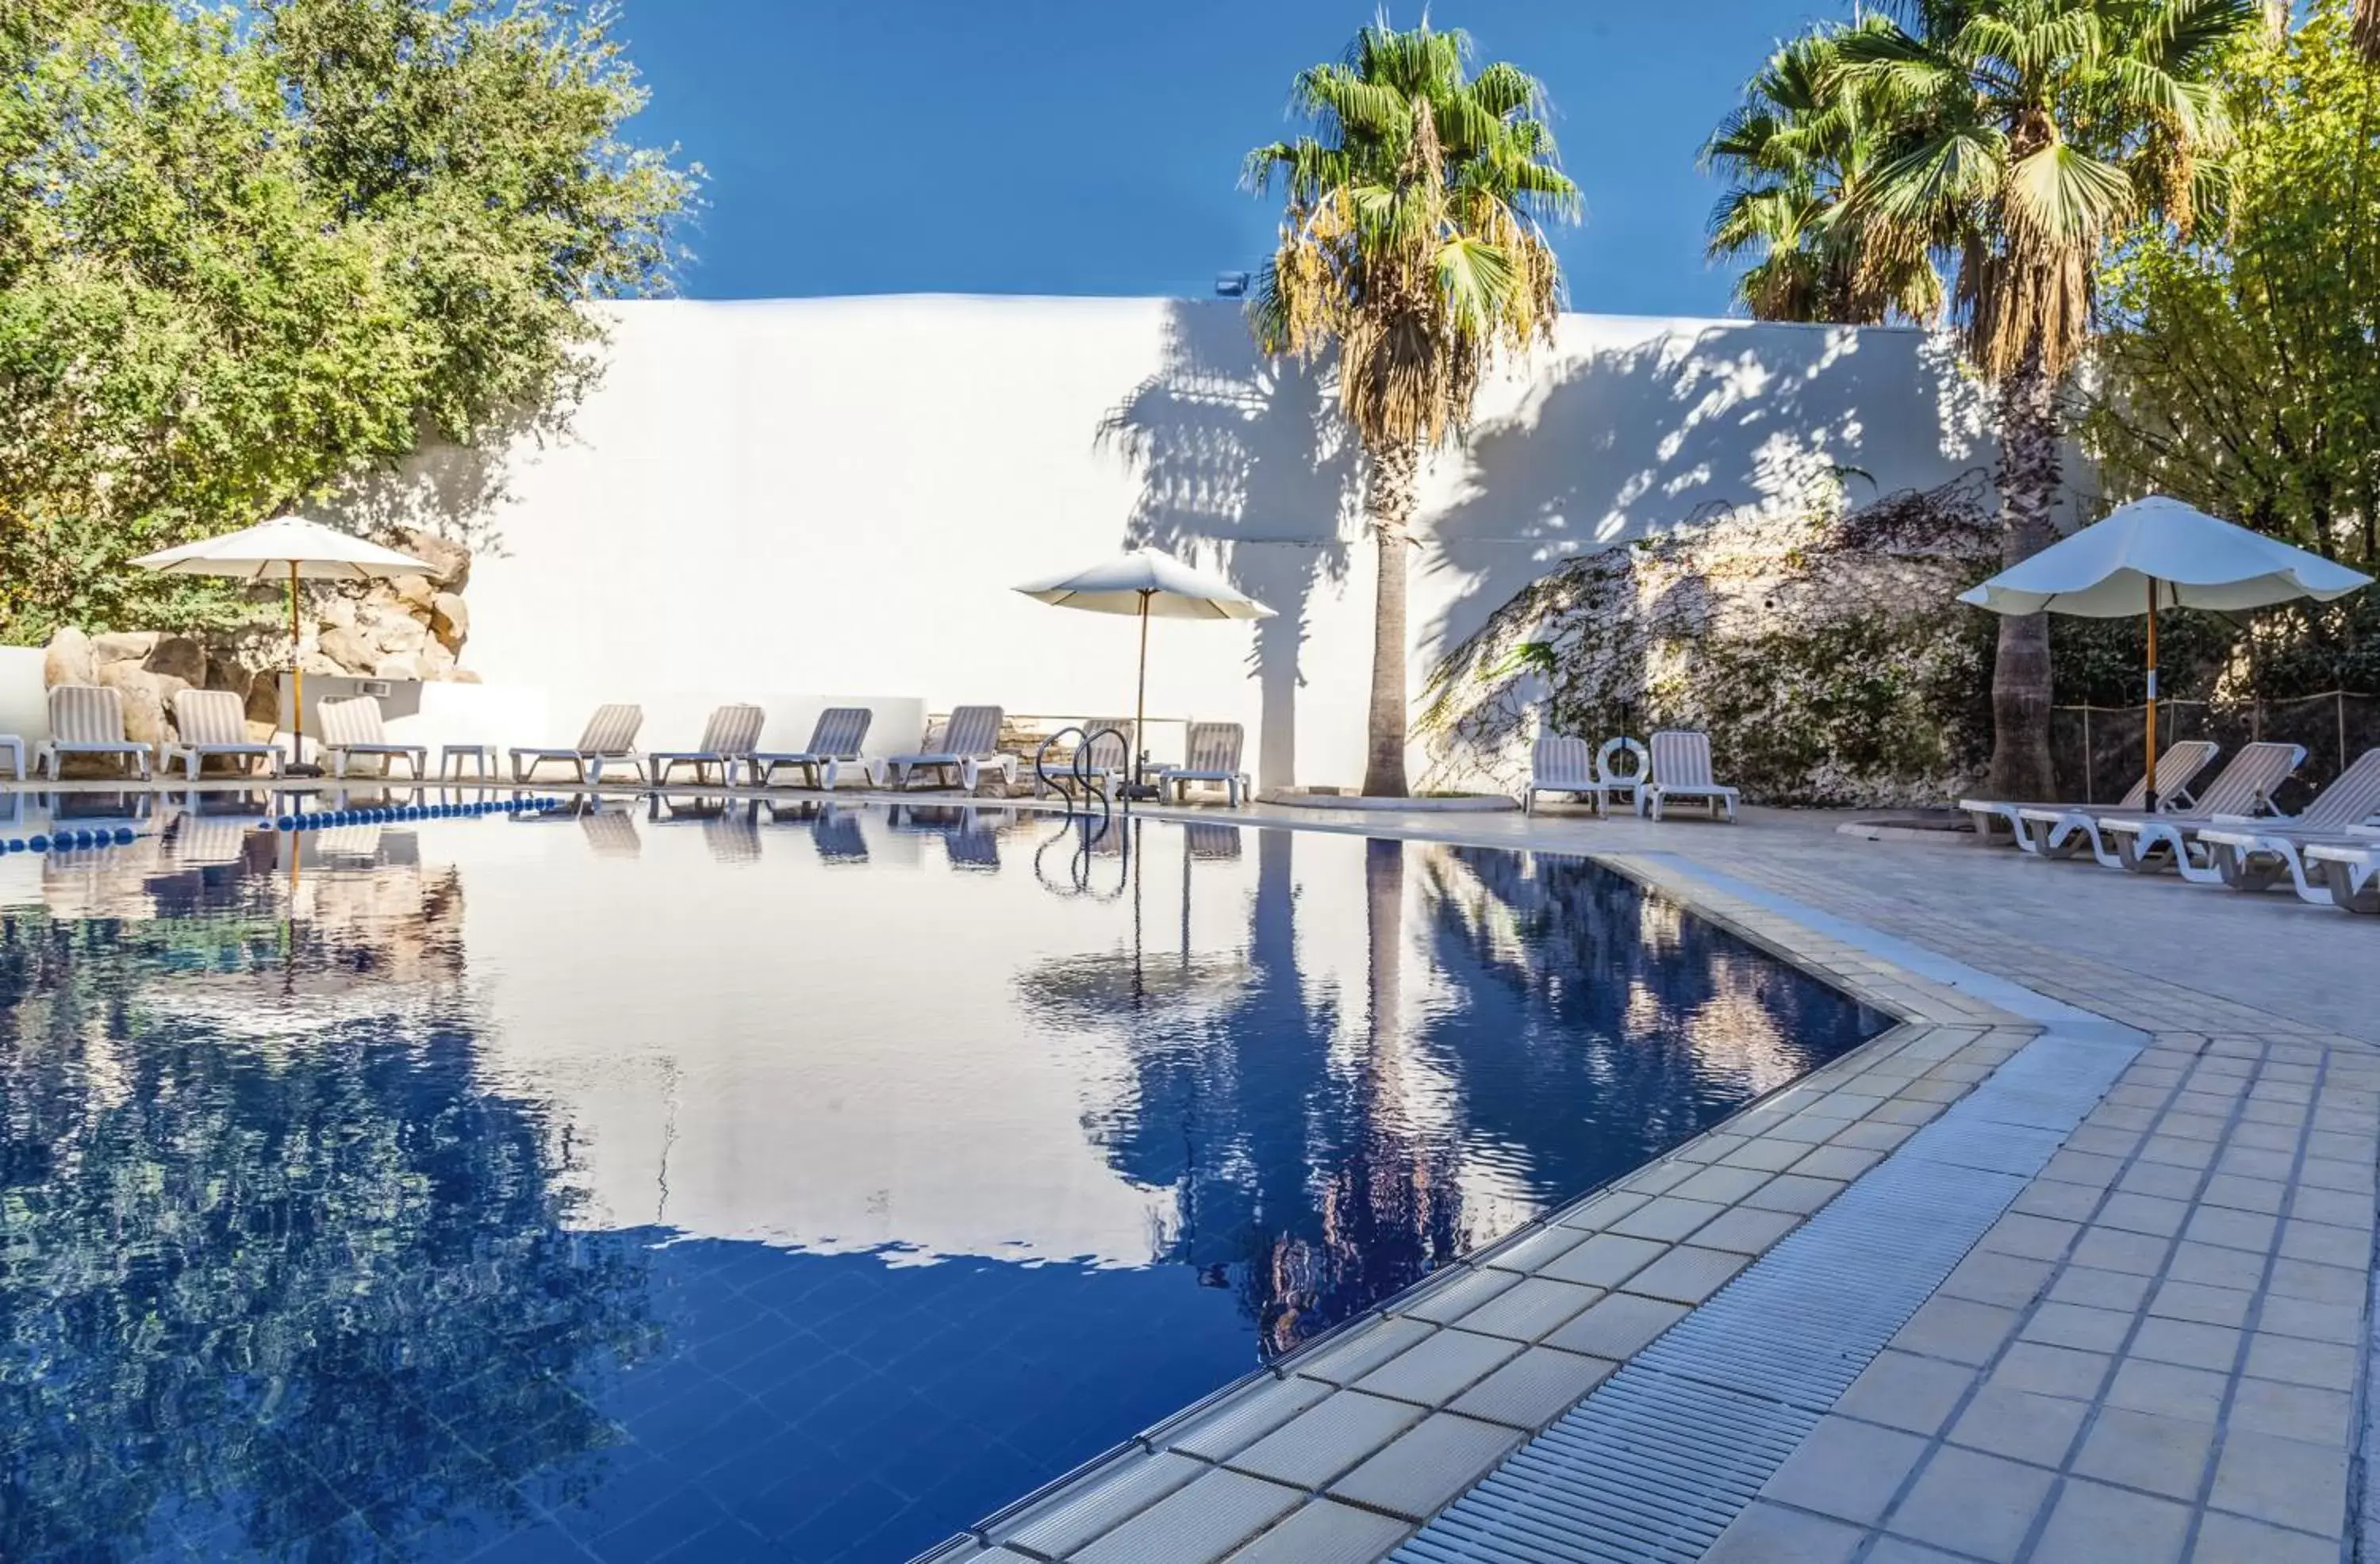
(834, 744)
(1560, 764)
(2176, 769)
(215, 722)
(2253, 856)
(352, 731)
(2133, 839)
(610, 736)
(1212, 755)
(88, 719)
(727, 742)
(2352, 872)
(1681, 768)
(967, 744)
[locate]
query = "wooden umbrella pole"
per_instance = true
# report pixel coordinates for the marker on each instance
(297, 676)
(2151, 793)
(1140, 698)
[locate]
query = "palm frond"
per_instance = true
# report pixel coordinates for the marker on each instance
(2067, 194)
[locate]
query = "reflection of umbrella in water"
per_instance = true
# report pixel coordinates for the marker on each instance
(305, 550)
(2155, 553)
(1149, 584)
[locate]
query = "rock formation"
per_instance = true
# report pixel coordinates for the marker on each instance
(1819, 645)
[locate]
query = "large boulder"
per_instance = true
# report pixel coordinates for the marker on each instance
(435, 660)
(123, 645)
(414, 591)
(450, 620)
(67, 659)
(148, 699)
(397, 667)
(264, 700)
(449, 561)
(178, 657)
(398, 635)
(342, 651)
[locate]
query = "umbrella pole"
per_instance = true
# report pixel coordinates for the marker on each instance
(2151, 793)
(297, 676)
(1140, 698)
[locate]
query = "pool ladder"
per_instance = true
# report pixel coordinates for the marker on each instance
(1075, 785)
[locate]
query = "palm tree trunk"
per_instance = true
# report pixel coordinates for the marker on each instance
(1390, 499)
(2028, 484)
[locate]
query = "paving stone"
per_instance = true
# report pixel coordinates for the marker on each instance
(2198, 1302)
(1326, 1532)
(2326, 1244)
(2091, 1524)
(2238, 1269)
(2083, 1168)
(1530, 1311)
(1607, 1259)
(1530, 1253)
(1246, 1418)
(1617, 1327)
(2168, 1389)
(1765, 1155)
(1427, 1466)
(1211, 1516)
(2195, 1346)
(2283, 1316)
(2229, 1539)
(2076, 1324)
(1450, 1302)
(2327, 1284)
(2232, 1230)
(2323, 1364)
(1660, 1177)
(1765, 1534)
(1599, 1211)
(1900, 1550)
(2101, 1289)
(1904, 1391)
(2050, 1371)
(1072, 1518)
(2140, 1449)
(1687, 1274)
(2288, 1482)
(1361, 1347)
(2294, 1412)
(1722, 1186)
(2340, 1208)
(1533, 1388)
(1441, 1368)
(2019, 1425)
(1846, 1469)
(2229, 1190)
(1957, 1330)
(2161, 1181)
(1329, 1439)
(2072, 1202)
(1668, 1218)
(2115, 1249)
(1872, 1136)
(1977, 1504)
(1745, 1231)
(2034, 1238)
(2003, 1279)
(1794, 1193)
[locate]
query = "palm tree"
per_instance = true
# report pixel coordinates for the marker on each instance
(1797, 153)
(1412, 242)
(2036, 129)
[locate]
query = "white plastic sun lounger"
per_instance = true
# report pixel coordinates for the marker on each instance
(2253, 856)
(1560, 764)
(835, 743)
(610, 736)
(2134, 841)
(1212, 755)
(215, 722)
(352, 731)
(968, 745)
(727, 742)
(1681, 768)
(2352, 872)
(88, 719)
(2176, 769)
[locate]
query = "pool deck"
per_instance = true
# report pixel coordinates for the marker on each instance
(2157, 1352)
(2156, 1347)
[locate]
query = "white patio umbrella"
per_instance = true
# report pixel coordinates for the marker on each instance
(1149, 584)
(2159, 552)
(301, 549)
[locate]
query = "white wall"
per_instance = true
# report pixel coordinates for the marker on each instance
(837, 494)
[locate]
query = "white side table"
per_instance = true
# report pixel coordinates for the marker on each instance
(14, 748)
(452, 755)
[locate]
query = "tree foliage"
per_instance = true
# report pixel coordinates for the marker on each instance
(250, 251)
(2242, 367)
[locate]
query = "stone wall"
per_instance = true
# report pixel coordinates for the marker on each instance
(1818, 643)
(411, 627)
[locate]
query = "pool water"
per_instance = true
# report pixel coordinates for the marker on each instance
(727, 1181)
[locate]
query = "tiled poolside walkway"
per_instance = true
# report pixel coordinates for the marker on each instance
(2156, 1353)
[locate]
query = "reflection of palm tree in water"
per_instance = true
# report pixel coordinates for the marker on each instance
(1247, 457)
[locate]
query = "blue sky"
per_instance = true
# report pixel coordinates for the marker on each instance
(1093, 146)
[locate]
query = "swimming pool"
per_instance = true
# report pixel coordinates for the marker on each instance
(727, 1181)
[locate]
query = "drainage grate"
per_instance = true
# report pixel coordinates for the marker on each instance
(1660, 1458)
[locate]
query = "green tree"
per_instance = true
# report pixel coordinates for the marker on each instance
(2242, 369)
(250, 252)
(1797, 154)
(2039, 130)
(1412, 244)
